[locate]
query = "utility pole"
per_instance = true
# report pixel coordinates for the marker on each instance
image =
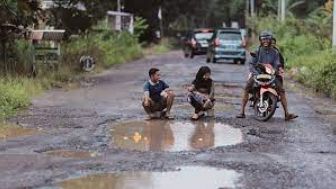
(119, 6)
(161, 22)
(247, 6)
(252, 5)
(118, 17)
(334, 27)
(279, 10)
(283, 10)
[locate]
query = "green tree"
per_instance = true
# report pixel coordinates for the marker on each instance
(15, 16)
(77, 16)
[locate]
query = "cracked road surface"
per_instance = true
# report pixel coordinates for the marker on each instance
(96, 136)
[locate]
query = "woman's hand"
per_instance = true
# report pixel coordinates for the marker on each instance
(190, 89)
(205, 96)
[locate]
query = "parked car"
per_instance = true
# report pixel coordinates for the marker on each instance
(227, 44)
(197, 42)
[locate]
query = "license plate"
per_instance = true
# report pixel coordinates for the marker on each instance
(230, 47)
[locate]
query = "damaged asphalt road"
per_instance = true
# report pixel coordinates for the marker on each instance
(97, 135)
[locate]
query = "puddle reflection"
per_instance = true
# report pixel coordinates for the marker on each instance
(71, 154)
(160, 135)
(187, 177)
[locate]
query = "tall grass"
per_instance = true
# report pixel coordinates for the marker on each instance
(16, 94)
(107, 48)
(165, 45)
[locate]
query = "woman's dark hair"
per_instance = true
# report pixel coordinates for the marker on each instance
(201, 72)
(152, 71)
(200, 82)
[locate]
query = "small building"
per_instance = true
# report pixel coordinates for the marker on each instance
(120, 21)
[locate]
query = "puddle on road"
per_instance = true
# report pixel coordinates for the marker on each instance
(161, 135)
(12, 131)
(187, 177)
(71, 154)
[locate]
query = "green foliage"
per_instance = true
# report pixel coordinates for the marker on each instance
(18, 12)
(71, 16)
(164, 46)
(140, 26)
(317, 70)
(188, 14)
(107, 48)
(23, 52)
(15, 94)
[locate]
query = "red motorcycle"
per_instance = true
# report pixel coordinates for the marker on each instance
(264, 98)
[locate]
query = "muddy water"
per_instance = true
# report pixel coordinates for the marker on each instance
(158, 135)
(186, 177)
(71, 154)
(12, 131)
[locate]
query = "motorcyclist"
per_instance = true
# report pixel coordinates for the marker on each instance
(266, 54)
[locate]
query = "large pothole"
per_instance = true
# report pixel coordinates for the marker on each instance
(13, 131)
(186, 177)
(71, 154)
(161, 135)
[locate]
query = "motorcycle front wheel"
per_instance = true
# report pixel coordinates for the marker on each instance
(265, 113)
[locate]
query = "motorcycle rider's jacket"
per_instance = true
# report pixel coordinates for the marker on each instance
(265, 55)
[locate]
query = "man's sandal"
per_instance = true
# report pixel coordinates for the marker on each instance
(290, 117)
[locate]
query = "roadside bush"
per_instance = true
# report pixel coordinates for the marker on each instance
(15, 94)
(165, 45)
(301, 45)
(108, 48)
(317, 70)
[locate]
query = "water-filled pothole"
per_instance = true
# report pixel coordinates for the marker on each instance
(161, 135)
(71, 154)
(12, 131)
(186, 177)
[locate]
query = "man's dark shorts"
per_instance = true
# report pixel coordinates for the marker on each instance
(278, 85)
(156, 106)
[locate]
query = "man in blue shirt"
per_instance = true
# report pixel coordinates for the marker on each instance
(266, 54)
(158, 98)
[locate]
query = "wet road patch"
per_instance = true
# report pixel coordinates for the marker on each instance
(161, 135)
(186, 177)
(12, 131)
(71, 154)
